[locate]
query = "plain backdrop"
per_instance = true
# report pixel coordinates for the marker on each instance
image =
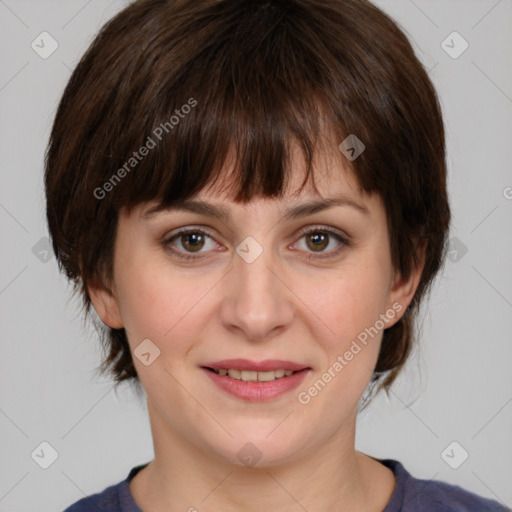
(453, 401)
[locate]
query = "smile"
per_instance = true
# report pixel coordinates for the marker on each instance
(252, 376)
(254, 385)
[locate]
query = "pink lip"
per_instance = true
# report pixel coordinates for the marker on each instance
(255, 366)
(256, 391)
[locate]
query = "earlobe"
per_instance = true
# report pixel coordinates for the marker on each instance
(105, 303)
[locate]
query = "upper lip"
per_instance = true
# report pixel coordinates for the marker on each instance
(256, 366)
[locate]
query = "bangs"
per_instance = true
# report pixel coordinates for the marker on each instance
(247, 97)
(255, 147)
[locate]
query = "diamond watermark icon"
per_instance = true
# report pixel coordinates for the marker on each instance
(454, 455)
(456, 249)
(352, 147)
(44, 455)
(454, 45)
(42, 250)
(249, 455)
(44, 45)
(146, 352)
(249, 249)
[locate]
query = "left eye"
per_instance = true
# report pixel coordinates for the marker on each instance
(317, 240)
(194, 239)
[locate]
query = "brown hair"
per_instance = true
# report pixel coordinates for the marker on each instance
(255, 76)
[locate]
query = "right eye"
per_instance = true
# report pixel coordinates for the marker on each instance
(192, 240)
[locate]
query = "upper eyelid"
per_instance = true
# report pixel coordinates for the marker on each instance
(206, 230)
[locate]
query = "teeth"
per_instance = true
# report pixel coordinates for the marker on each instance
(265, 376)
(235, 374)
(248, 376)
(251, 376)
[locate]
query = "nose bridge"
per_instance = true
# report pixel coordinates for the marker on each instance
(257, 301)
(254, 265)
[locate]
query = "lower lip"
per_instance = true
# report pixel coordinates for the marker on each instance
(257, 391)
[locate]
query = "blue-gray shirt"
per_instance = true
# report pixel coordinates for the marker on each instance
(410, 495)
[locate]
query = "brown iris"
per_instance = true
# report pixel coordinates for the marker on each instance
(319, 240)
(192, 242)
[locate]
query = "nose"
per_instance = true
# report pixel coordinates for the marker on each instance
(258, 301)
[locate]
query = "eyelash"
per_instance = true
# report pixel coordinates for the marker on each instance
(344, 242)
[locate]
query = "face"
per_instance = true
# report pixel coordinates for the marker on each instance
(272, 286)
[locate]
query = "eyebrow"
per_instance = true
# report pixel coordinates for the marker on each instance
(223, 213)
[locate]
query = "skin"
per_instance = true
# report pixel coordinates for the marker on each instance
(281, 306)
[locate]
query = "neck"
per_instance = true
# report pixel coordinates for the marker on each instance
(333, 476)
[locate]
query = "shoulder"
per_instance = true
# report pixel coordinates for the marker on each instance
(116, 498)
(105, 501)
(418, 495)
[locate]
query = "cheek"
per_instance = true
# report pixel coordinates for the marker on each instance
(149, 302)
(350, 301)
(163, 306)
(349, 304)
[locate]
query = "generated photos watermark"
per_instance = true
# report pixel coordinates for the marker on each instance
(151, 142)
(355, 348)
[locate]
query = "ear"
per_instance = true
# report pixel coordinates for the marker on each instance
(403, 288)
(105, 303)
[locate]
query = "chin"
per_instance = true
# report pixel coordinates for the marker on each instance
(256, 448)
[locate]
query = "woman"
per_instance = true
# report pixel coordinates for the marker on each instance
(252, 197)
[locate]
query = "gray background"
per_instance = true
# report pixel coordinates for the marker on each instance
(458, 387)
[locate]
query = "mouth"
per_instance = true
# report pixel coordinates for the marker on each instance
(256, 381)
(253, 376)
(250, 371)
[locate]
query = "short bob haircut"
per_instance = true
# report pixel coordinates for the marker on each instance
(168, 87)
